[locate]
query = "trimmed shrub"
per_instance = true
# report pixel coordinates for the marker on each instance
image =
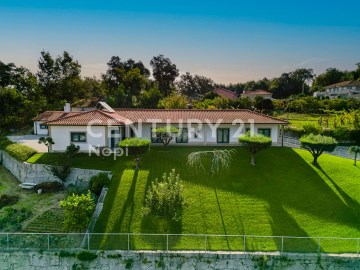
(341, 133)
(20, 152)
(166, 198)
(7, 200)
(4, 142)
(97, 182)
(50, 186)
(135, 146)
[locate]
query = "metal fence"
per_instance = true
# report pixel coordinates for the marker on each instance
(177, 242)
(340, 151)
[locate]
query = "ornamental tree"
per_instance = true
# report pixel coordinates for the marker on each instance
(78, 210)
(255, 144)
(317, 144)
(164, 134)
(48, 141)
(136, 147)
(355, 150)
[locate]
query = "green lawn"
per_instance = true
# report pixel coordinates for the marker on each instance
(298, 120)
(282, 195)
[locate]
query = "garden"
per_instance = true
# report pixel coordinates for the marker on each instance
(282, 195)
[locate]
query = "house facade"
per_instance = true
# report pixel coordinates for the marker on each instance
(259, 92)
(104, 126)
(343, 90)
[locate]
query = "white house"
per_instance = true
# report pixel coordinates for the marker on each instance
(104, 126)
(344, 90)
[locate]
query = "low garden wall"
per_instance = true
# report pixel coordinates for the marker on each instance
(39, 173)
(109, 260)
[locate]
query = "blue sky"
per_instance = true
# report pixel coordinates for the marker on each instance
(229, 41)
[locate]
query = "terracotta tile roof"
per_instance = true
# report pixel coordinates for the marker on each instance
(257, 92)
(212, 116)
(94, 117)
(53, 115)
(225, 93)
(343, 84)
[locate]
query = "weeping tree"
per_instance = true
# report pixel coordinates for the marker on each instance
(218, 159)
(136, 147)
(317, 144)
(355, 149)
(255, 144)
(165, 134)
(48, 141)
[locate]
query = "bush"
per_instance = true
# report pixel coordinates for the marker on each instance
(50, 186)
(7, 200)
(97, 182)
(311, 128)
(86, 256)
(341, 133)
(4, 142)
(20, 152)
(11, 218)
(61, 172)
(165, 199)
(135, 146)
(74, 189)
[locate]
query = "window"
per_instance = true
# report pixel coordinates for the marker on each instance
(78, 137)
(222, 135)
(265, 131)
(43, 126)
(182, 136)
(154, 137)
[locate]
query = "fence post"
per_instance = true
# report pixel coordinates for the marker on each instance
(205, 241)
(244, 243)
(282, 243)
(128, 241)
(319, 245)
(48, 238)
(88, 241)
(167, 242)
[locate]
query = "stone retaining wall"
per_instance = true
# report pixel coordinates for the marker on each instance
(114, 260)
(39, 173)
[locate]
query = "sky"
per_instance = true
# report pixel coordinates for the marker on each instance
(228, 41)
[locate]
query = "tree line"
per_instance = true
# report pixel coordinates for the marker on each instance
(128, 83)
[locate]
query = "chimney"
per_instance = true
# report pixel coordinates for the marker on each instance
(67, 107)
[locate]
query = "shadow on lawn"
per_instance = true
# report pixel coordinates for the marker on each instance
(277, 180)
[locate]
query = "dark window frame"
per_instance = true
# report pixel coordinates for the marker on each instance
(222, 135)
(154, 137)
(43, 126)
(78, 134)
(180, 138)
(261, 131)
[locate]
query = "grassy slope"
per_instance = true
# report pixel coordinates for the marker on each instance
(282, 195)
(298, 120)
(37, 203)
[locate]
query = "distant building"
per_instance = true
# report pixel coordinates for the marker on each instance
(344, 90)
(259, 92)
(225, 93)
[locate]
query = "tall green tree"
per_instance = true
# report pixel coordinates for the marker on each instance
(191, 84)
(173, 101)
(164, 73)
(59, 78)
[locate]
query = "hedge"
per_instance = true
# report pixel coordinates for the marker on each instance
(20, 152)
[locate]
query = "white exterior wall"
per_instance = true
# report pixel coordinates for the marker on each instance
(38, 130)
(207, 137)
(61, 137)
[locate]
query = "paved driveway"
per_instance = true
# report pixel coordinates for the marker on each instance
(29, 140)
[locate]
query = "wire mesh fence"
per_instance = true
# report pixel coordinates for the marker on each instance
(177, 242)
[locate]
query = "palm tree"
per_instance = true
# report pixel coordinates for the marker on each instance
(356, 150)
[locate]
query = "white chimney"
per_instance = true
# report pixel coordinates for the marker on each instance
(67, 107)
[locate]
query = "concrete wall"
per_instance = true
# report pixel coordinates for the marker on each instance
(38, 173)
(22, 260)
